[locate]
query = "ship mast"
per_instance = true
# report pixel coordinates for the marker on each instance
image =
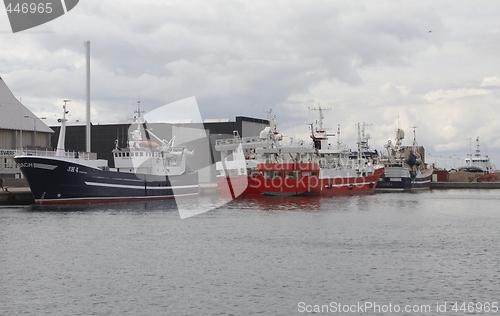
(478, 151)
(362, 140)
(138, 112)
(414, 139)
(321, 117)
(272, 120)
(61, 150)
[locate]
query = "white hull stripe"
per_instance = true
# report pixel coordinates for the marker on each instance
(349, 184)
(126, 186)
(420, 181)
(44, 166)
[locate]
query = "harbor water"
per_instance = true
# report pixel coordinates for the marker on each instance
(434, 252)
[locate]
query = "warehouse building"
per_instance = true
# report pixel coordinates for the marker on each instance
(19, 128)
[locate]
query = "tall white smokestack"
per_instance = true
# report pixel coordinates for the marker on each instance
(87, 138)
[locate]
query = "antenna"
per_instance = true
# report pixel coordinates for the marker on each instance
(478, 151)
(414, 138)
(138, 111)
(272, 119)
(321, 116)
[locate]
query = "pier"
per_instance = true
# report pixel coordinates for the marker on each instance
(464, 185)
(16, 196)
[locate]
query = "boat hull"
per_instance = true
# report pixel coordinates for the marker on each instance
(58, 181)
(399, 179)
(235, 186)
(316, 183)
(346, 186)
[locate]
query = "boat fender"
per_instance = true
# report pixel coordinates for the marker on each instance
(351, 186)
(372, 184)
(329, 185)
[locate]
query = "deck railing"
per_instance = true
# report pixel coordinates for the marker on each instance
(237, 140)
(286, 141)
(52, 153)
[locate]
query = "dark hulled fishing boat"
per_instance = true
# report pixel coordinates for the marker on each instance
(145, 170)
(405, 169)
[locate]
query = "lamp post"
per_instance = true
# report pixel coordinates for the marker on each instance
(34, 125)
(46, 138)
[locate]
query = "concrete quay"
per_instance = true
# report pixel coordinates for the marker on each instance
(465, 185)
(16, 196)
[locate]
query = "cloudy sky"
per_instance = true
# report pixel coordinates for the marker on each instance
(432, 64)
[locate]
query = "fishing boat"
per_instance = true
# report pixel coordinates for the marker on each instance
(236, 170)
(236, 166)
(318, 168)
(405, 168)
(477, 162)
(145, 170)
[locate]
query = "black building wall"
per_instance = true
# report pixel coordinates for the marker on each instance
(103, 139)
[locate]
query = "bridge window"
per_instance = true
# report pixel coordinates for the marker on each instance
(294, 174)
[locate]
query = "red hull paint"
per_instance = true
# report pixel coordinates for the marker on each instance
(283, 186)
(346, 186)
(237, 185)
(312, 185)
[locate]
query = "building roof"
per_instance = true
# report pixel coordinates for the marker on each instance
(13, 113)
(251, 119)
(217, 120)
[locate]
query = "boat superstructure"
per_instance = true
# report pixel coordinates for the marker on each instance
(477, 162)
(236, 171)
(405, 169)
